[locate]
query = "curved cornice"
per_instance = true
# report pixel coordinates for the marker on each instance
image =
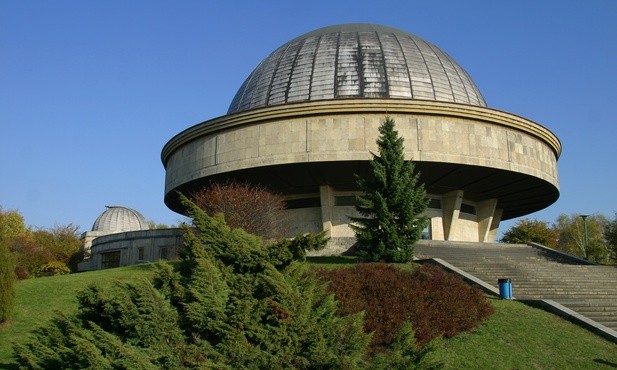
(356, 106)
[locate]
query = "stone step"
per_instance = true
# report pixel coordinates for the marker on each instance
(601, 316)
(609, 324)
(591, 302)
(552, 278)
(563, 293)
(559, 287)
(554, 297)
(610, 314)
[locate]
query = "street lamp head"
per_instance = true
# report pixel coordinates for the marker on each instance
(584, 216)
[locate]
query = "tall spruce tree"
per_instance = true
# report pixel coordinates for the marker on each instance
(391, 205)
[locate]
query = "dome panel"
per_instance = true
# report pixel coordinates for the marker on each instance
(120, 219)
(356, 61)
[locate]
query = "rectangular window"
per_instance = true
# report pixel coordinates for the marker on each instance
(468, 208)
(434, 203)
(345, 200)
(140, 254)
(303, 203)
(164, 253)
(110, 259)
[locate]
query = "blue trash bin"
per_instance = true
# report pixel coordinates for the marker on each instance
(505, 288)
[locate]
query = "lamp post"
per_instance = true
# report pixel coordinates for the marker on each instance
(586, 240)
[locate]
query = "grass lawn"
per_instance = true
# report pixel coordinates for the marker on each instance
(515, 336)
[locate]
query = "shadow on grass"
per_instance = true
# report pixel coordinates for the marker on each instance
(8, 366)
(604, 362)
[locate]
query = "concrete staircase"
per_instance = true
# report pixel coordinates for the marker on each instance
(536, 273)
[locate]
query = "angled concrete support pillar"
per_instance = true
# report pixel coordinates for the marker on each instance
(326, 196)
(492, 234)
(485, 212)
(451, 206)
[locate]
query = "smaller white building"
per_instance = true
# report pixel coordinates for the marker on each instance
(121, 236)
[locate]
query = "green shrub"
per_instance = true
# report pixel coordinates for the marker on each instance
(285, 251)
(53, 268)
(126, 326)
(435, 302)
(404, 352)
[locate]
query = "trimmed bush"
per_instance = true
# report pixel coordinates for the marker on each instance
(435, 302)
(445, 304)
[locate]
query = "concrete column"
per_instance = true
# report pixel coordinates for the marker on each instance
(451, 206)
(492, 234)
(326, 196)
(437, 228)
(485, 212)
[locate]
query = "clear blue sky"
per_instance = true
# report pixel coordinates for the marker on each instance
(90, 91)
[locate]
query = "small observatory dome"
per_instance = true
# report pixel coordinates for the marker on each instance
(356, 61)
(120, 219)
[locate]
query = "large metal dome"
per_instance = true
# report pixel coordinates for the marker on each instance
(120, 219)
(356, 61)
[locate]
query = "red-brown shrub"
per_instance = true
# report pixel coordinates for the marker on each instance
(435, 302)
(253, 208)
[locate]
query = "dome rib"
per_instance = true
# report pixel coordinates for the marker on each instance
(445, 71)
(421, 66)
(312, 70)
(356, 61)
(398, 87)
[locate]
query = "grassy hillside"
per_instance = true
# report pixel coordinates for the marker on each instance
(516, 336)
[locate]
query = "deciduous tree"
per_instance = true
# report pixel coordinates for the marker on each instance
(11, 225)
(610, 235)
(532, 231)
(572, 236)
(33, 249)
(392, 203)
(252, 208)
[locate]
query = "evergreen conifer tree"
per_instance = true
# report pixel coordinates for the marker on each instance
(391, 204)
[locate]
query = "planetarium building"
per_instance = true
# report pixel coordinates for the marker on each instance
(306, 120)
